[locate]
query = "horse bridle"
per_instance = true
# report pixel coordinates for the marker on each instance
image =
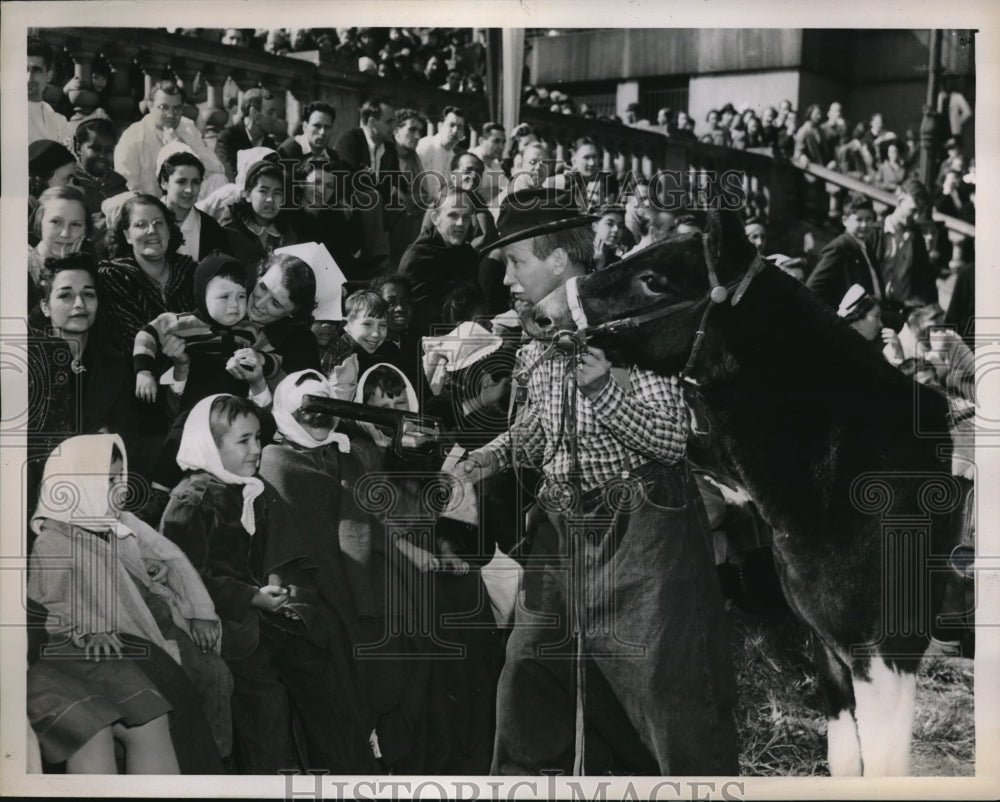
(718, 294)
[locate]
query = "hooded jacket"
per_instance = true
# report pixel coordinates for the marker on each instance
(104, 554)
(208, 343)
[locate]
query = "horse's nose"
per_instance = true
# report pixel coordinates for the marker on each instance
(543, 320)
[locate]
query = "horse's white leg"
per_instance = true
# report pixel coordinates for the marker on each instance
(885, 706)
(843, 748)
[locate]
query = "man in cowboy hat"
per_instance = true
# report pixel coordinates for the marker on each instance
(622, 614)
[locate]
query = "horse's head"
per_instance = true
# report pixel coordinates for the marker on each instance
(648, 306)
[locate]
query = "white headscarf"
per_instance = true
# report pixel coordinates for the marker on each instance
(411, 402)
(247, 158)
(198, 452)
(330, 279)
(169, 150)
(87, 589)
(288, 397)
(75, 488)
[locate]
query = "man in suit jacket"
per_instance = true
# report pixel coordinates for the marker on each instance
(904, 264)
(257, 111)
(313, 144)
(369, 152)
(849, 259)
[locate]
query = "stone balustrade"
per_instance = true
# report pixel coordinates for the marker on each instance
(214, 75)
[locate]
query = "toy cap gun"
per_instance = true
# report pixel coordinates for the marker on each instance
(414, 437)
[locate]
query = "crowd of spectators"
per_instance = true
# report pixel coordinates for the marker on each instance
(190, 300)
(449, 58)
(866, 151)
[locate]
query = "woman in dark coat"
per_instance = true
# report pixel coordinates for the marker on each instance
(77, 383)
(146, 276)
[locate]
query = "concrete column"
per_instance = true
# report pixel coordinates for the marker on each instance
(627, 92)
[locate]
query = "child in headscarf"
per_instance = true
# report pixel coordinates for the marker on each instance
(461, 698)
(338, 498)
(217, 202)
(385, 386)
(94, 569)
(218, 516)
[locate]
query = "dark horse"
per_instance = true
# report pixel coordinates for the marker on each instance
(839, 450)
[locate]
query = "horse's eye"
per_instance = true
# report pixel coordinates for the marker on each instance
(654, 281)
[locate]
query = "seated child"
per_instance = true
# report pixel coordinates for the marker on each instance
(218, 517)
(395, 291)
(863, 313)
(101, 576)
(217, 332)
(477, 396)
(386, 387)
(361, 345)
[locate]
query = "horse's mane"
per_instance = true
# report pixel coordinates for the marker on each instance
(803, 335)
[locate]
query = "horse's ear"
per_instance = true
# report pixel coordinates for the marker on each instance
(728, 242)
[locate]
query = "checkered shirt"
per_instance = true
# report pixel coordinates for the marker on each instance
(616, 431)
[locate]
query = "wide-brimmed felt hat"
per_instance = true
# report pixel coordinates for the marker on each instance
(535, 211)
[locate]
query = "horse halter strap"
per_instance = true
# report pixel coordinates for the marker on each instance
(717, 294)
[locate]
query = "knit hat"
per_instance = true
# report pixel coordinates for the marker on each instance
(45, 156)
(211, 266)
